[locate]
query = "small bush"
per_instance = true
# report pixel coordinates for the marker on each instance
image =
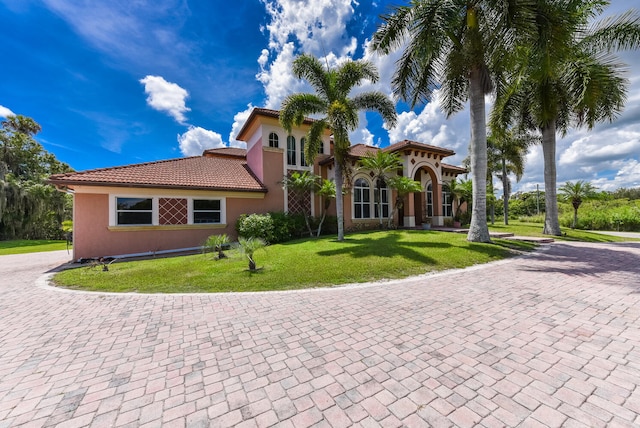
(256, 226)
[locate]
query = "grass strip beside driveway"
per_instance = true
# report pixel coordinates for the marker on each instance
(306, 263)
(23, 246)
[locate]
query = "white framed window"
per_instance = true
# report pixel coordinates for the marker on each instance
(447, 206)
(303, 161)
(384, 190)
(134, 211)
(361, 199)
(207, 211)
(429, 194)
(273, 140)
(291, 150)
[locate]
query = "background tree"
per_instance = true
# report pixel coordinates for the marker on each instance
(575, 193)
(507, 151)
(340, 112)
(457, 46)
(566, 76)
(403, 187)
(382, 165)
(29, 208)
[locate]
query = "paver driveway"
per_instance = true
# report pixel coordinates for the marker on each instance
(549, 339)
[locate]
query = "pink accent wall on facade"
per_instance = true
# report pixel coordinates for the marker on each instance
(273, 174)
(254, 159)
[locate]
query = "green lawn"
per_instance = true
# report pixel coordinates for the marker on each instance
(362, 257)
(23, 246)
(535, 229)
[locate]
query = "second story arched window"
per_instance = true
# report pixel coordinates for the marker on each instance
(291, 150)
(273, 140)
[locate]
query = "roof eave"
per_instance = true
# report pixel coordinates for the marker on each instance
(68, 183)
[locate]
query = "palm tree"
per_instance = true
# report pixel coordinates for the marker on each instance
(248, 246)
(506, 155)
(576, 193)
(403, 187)
(381, 164)
(301, 184)
(460, 192)
(457, 46)
(327, 191)
(566, 77)
(340, 112)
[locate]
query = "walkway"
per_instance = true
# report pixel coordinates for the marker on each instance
(545, 340)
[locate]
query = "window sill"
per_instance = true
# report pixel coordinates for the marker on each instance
(167, 227)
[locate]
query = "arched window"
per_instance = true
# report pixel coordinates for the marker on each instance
(361, 199)
(291, 150)
(429, 194)
(447, 207)
(303, 161)
(273, 140)
(381, 187)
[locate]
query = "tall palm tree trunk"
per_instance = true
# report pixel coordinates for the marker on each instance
(478, 230)
(505, 191)
(339, 198)
(551, 223)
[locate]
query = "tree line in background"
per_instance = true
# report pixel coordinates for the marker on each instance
(598, 210)
(29, 207)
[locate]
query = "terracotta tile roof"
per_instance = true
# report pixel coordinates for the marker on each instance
(200, 172)
(263, 112)
(226, 151)
(453, 168)
(361, 150)
(408, 144)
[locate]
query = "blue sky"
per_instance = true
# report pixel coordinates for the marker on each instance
(122, 82)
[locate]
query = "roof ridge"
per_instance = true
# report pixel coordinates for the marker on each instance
(111, 168)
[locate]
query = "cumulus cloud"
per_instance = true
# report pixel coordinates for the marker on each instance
(196, 140)
(238, 121)
(318, 25)
(166, 97)
(276, 77)
(5, 112)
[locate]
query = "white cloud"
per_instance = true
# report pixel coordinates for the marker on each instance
(196, 140)
(166, 97)
(5, 112)
(318, 25)
(238, 121)
(277, 78)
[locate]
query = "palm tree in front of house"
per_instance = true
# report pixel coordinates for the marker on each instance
(339, 111)
(567, 76)
(403, 186)
(576, 193)
(381, 165)
(457, 46)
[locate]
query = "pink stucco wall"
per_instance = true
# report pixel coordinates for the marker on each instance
(254, 159)
(92, 237)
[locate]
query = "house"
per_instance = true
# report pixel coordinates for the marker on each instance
(174, 205)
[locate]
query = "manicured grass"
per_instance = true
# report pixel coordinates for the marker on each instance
(323, 262)
(23, 246)
(535, 229)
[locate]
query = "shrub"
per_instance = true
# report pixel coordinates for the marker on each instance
(256, 226)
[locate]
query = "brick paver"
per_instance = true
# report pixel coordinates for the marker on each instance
(547, 339)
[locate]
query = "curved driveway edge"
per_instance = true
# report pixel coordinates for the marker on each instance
(550, 339)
